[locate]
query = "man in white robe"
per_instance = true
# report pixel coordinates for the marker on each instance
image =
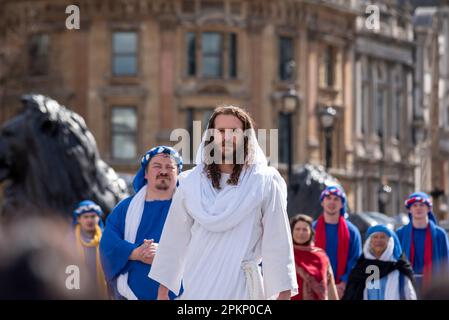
(222, 234)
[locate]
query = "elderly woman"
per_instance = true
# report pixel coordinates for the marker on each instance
(313, 269)
(382, 272)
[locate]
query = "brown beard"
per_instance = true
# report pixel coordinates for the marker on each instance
(162, 186)
(212, 170)
(234, 154)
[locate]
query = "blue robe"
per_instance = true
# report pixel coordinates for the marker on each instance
(355, 247)
(440, 246)
(115, 251)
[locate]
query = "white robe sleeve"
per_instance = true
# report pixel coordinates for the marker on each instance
(278, 264)
(169, 261)
(409, 291)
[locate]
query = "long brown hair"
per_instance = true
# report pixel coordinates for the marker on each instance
(212, 170)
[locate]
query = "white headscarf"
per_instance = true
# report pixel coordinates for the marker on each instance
(392, 284)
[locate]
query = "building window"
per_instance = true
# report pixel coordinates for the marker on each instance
(189, 126)
(283, 137)
(212, 6)
(38, 52)
(398, 105)
(236, 7)
(286, 57)
(124, 133)
(196, 114)
(232, 55)
(381, 100)
(191, 54)
(211, 54)
(218, 54)
(328, 67)
(380, 111)
(124, 53)
(188, 6)
(366, 99)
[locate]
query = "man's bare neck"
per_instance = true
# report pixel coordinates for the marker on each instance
(89, 234)
(158, 195)
(226, 168)
(331, 219)
(420, 223)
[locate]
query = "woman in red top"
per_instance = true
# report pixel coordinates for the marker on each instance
(313, 269)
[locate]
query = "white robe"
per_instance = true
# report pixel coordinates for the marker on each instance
(212, 236)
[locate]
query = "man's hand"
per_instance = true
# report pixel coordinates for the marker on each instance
(284, 295)
(162, 293)
(144, 253)
(341, 289)
(149, 251)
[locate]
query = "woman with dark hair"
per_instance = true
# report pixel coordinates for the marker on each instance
(313, 269)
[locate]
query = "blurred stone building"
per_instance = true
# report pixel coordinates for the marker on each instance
(431, 121)
(341, 95)
(383, 109)
(138, 69)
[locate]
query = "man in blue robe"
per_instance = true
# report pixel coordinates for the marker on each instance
(337, 236)
(134, 227)
(424, 242)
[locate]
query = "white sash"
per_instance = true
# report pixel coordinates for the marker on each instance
(132, 222)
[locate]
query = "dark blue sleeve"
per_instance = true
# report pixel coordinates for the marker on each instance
(355, 250)
(114, 250)
(400, 233)
(443, 246)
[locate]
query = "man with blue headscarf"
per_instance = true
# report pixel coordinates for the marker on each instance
(88, 232)
(425, 244)
(382, 272)
(337, 236)
(134, 227)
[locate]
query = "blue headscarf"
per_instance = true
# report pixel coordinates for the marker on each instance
(86, 206)
(397, 251)
(420, 197)
(338, 191)
(139, 180)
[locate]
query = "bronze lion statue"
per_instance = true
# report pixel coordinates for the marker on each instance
(49, 161)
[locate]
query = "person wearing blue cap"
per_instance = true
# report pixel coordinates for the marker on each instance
(382, 272)
(425, 244)
(88, 231)
(134, 227)
(337, 236)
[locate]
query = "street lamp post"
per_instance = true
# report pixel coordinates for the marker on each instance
(290, 103)
(327, 119)
(383, 196)
(419, 130)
